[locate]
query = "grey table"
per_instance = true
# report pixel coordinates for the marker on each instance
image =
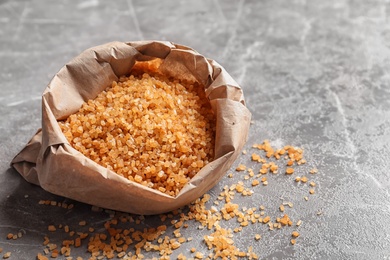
(315, 75)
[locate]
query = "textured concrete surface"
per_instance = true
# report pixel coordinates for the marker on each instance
(315, 75)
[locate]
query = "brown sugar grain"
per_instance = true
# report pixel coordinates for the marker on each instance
(51, 228)
(147, 128)
(295, 234)
(289, 171)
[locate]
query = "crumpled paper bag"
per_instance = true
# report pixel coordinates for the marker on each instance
(50, 161)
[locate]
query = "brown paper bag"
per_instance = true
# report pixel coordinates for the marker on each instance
(50, 161)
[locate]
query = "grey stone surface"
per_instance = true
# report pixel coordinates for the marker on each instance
(315, 75)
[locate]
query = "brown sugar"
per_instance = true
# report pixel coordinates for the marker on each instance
(289, 171)
(7, 255)
(51, 228)
(150, 129)
(240, 168)
(295, 234)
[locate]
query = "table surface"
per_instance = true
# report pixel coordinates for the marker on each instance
(314, 76)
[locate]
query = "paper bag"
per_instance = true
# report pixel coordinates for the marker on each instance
(50, 161)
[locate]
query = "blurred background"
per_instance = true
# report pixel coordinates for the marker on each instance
(315, 74)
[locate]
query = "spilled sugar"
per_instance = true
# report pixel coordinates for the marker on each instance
(219, 220)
